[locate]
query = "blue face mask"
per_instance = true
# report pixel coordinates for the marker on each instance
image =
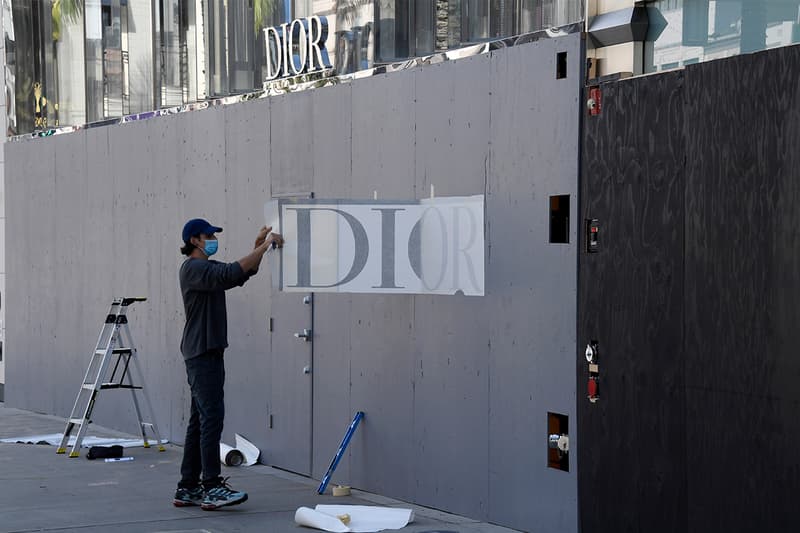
(211, 247)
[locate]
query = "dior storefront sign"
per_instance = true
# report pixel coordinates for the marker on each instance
(296, 47)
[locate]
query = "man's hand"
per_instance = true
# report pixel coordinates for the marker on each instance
(262, 235)
(275, 239)
(264, 241)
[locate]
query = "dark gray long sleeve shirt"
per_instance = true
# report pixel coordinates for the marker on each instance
(203, 285)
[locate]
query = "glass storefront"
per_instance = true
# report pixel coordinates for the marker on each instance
(71, 62)
(692, 31)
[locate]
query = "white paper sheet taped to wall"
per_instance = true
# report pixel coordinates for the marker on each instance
(427, 246)
(363, 518)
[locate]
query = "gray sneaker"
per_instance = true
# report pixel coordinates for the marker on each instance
(221, 496)
(185, 497)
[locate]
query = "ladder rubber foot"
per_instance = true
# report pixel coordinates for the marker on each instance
(162, 448)
(74, 454)
(146, 445)
(61, 450)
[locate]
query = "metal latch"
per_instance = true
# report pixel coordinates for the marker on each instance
(305, 335)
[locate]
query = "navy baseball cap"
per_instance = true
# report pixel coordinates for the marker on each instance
(196, 226)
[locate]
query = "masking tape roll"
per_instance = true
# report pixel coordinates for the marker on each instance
(341, 490)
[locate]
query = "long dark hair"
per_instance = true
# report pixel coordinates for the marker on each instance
(188, 248)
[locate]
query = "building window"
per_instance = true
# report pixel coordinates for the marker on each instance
(701, 30)
(405, 29)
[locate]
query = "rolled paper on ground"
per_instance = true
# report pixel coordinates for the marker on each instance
(230, 456)
(307, 517)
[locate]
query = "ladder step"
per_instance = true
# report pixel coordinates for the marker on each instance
(76, 421)
(116, 351)
(118, 386)
(88, 386)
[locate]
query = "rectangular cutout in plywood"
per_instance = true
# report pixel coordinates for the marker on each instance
(557, 425)
(559, 219)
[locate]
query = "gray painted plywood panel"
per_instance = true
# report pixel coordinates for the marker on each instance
(382, 354)
(451, 370)
(451, 396)
(28, 171)
(162, 360)
(291, 160)
(331, 135)
(98, 223)
(201, 165)
(70, 344)
(331, 404)
(333, 409)
(381, 371)
(98, 265)
(534, 128)
(249, 357)
(383, 137)
(452, 127)
(128, 260)
(42, 267)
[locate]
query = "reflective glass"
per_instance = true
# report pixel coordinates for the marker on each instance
(93, 44)
(241, 44)
(137, 55)
(354, 35)
(44, 62)
(70, 62)
(266, 14)
(408, 29)
(69, 103)
(172, 59)
(690, 31)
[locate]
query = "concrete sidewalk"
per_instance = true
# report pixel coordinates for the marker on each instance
(43, 491)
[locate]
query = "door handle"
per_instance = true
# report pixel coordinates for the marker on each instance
(305, 335)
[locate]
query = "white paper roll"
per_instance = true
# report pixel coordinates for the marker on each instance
(230, 456)
(311, 518)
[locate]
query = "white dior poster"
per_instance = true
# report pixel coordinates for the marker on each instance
(431, 246)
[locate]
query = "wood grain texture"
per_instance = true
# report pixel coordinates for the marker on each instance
(631, 466)
(742, 288)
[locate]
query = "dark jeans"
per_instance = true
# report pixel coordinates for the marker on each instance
(206, 375)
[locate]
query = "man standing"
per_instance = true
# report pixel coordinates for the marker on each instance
(205, 337)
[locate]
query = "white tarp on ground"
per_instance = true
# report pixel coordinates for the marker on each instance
(54, 439)
(362, 518)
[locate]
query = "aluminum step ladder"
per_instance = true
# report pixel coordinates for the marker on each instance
(114, 344)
